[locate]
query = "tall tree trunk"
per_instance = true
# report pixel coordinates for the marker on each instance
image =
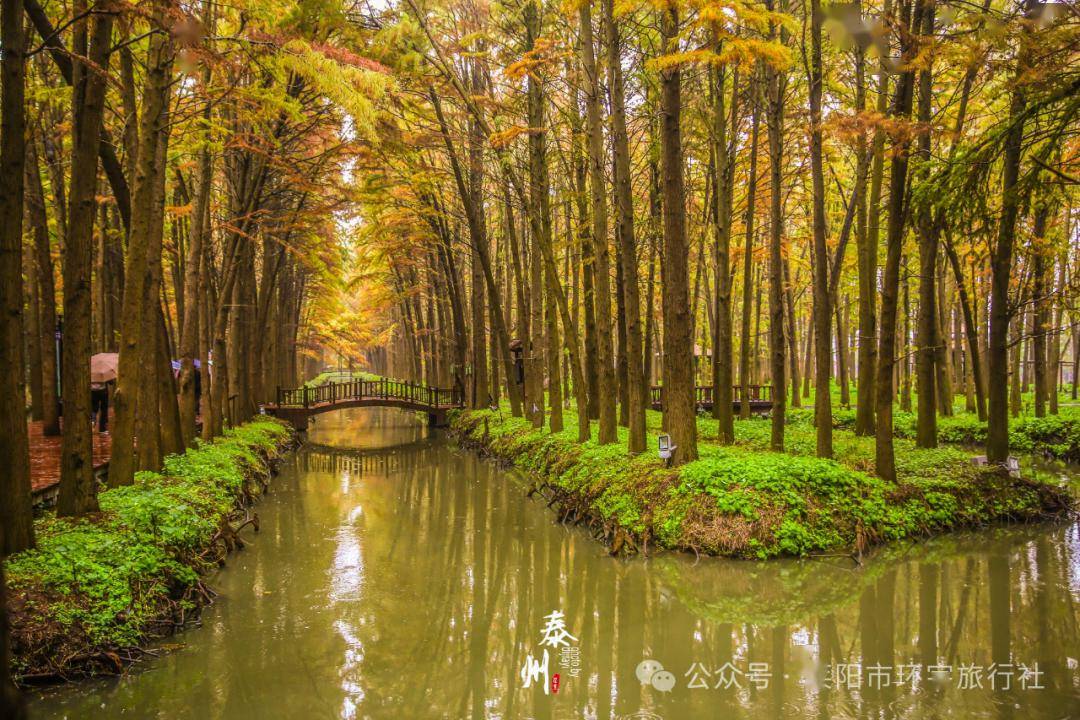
(868, 267)
(16, 518)
(678, 345)
(885, 462)
(199, 228)
(1041, 308)
(78, 493)
(748, 259)
(636, 387)
(46, 289)
(926, 337)
(776, 84)
(138, 267)
(723, 408)
(1001, 260)
(971, 330)
(822, 296)
(601, 265)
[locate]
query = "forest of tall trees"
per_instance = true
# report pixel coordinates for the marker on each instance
(861, 205)
(872, 199)
(860, 216)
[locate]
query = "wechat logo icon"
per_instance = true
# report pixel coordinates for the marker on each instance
(651, 672)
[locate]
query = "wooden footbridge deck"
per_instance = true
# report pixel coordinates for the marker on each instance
(758, 396)
(297, 406)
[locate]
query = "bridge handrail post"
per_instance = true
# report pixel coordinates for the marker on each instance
(305, 397)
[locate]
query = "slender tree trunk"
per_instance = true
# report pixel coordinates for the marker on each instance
(971, 330)
(678, 343)
(1001, 261)
(46, 284)
(777, 83)
(1055, 337)
(16, 518)
(636, 387)
(1040, 309)
(885, 462)
(841, 354)
(822, 297)
(723, 408)
(199, 228)
(748, 261)
(78, 493)
(926, 336)
(868, 268)
(601, 266)
(137, 271)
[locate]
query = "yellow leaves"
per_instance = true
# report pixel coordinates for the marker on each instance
(534, 58)
(743, 52)
(350, 81)
(503, 138)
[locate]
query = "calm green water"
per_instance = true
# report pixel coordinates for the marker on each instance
(398, 577)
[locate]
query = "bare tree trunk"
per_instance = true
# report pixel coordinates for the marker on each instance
(885, 462)
(46, 285)
(139, 285)
(723, 408)
(971, 330)
(748, 261)
(636, 387)
(926, 338)
(78, 493)
(601, 266)
(1001, 260)
(867, 248)
(678, 343)
(1041, 309)
(776, 83)
(199, 229)
(16, 516)
(822, 297)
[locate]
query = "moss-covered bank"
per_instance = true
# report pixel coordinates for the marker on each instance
(97, 589)
(743, 501)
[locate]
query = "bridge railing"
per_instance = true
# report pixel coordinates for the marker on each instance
(381, 389)
(703, 394)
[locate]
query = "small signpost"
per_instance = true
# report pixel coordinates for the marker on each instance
(665, 448)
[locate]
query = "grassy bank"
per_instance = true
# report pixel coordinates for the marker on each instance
(1053, 436)
(746, 501)
(96, 589)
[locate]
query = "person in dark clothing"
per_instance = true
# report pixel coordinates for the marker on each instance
(99, 405)
(198, 389)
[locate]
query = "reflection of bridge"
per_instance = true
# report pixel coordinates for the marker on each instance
(759, 397)
(296, 406)
(380, 461)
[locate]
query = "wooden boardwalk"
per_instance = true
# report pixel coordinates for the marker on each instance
(45, 460)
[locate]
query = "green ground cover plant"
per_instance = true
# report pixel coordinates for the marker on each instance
(94, 589)
(746, 501)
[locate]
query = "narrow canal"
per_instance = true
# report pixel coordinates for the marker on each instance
(397, 576)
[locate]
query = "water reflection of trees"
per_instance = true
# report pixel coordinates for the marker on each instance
(484, 566)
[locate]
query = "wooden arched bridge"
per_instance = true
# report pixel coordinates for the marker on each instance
(297, 406)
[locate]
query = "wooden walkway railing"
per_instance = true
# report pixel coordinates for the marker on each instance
(433, 398)
(760, 396)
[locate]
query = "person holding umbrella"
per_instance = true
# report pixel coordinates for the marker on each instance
(102, 374)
